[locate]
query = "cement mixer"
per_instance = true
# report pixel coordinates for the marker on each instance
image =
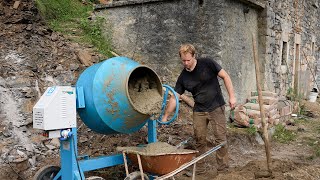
(108, 98)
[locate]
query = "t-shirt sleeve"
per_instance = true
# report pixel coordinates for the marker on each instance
(214, 66)
(179, 88)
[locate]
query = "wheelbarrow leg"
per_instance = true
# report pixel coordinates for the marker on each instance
(125, 163)
(194, 171)
(140, 167)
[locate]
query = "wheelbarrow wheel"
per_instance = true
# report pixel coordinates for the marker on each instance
(47, 173)
(136, 176)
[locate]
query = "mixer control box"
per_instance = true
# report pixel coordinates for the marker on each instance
(56, 109)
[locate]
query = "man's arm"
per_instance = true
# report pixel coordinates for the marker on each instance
(228, 83)
(171, 106)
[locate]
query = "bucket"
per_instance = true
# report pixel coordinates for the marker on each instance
(313, 96)
(109, 104)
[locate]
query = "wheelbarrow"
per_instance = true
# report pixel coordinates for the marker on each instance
(161, 160)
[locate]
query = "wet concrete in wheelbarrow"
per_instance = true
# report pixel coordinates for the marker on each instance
(158, 158)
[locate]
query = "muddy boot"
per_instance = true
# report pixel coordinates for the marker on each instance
(223, 168)
(201, 167)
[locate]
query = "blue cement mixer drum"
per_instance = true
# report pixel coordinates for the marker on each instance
(108, 105)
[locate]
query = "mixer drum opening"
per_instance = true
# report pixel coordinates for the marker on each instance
(120, 95)
(145, 90)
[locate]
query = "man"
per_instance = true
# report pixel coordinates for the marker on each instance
(200, 77)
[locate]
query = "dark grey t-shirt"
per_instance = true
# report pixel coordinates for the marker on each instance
(203, 83)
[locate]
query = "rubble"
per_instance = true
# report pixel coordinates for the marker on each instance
(32, 58)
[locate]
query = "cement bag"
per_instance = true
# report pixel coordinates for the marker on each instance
(254, 113)
(265, 100)
(285, 107)
(254, 106)
(265, 93)
(273, 112)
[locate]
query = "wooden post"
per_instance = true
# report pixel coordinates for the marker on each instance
(264, 124)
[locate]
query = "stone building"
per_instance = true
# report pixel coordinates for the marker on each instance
(287, 33)
(33, 57)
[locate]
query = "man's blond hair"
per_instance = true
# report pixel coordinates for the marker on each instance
(187, 48)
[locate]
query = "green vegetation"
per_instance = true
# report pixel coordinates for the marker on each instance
(71, 18)
(310, 140)
(317, 128)
(303, 110)
(283, 135)
(251, 130)
(315, 144)
(295, 96)
(290, 94)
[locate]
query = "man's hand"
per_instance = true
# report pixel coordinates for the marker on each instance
(170, 108)
(232, 102)
(164, 119)
(227, 82)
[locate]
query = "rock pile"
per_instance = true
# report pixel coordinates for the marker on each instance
(249, 113)
(32, 58)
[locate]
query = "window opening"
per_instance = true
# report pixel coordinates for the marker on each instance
(296, 69)
(312, 48)
(201, 2)
(284, 53)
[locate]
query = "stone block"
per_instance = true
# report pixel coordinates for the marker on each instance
(287, 110)
(297, 38)
(265, 99)
(16, 4)
(255, 106)
(265, 93)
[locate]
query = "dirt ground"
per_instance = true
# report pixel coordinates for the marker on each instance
(294, 160)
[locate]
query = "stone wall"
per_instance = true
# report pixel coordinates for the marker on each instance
(294, 30)
(152, 33)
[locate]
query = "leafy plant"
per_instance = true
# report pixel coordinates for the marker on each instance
(251, 130)
(283, 135)
(62, 10)
(290, 94)
(302, 109)
(315, 144)
(93, 34)
(293, 95)
(70, 17)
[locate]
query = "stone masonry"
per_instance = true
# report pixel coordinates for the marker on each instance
(287, 37)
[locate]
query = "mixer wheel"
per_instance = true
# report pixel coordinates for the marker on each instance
(136, 176)
(47, 173)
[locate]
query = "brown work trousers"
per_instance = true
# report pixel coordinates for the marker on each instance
(219, 125)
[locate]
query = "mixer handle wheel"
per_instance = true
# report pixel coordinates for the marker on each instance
(47, 172)
(136, 175)
(164, 104)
